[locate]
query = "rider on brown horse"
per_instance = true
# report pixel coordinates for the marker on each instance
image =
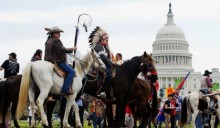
(99, 42)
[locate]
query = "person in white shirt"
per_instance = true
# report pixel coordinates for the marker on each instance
(119, 60)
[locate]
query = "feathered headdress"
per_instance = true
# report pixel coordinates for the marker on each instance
(97, 36)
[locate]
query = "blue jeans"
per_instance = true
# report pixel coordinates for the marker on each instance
(199, 123)
(99, 122)
(69, 78)
(108, 78)
(94, 120)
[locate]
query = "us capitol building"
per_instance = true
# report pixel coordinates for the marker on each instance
(171, 51)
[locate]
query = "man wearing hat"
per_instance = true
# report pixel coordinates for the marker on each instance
(10, 66)
(206, 82)
(55, 52)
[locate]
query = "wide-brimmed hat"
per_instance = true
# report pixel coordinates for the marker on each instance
(13, 55)
(53, 29)
(207, 72)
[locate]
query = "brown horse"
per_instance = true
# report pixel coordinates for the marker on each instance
(2, 86)
(9, 94)
(139, 101)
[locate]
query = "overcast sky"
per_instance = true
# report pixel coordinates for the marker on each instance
(131, 24)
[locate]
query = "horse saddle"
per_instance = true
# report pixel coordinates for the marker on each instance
(202, 91)
(60, 71)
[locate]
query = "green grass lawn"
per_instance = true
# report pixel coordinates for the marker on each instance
(25, 124)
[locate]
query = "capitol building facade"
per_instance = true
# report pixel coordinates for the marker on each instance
(171, 51)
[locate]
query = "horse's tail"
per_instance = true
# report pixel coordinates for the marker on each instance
(183, 119)
(154, 102)
(25, 82)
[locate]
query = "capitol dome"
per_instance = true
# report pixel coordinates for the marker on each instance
(170, 48)
(171, 51)
(170, 31)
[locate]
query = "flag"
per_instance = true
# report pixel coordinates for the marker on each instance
(215, 86)
(160, 116)
(183, 81)
(177, 82)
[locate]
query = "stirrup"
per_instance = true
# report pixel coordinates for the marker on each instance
(50, 99)
(102, 95)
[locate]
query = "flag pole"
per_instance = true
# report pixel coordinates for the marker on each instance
(183, 81)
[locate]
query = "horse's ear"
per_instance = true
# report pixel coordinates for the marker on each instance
(145, 54)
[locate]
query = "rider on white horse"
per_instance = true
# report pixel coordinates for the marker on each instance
(55, 52)
(206, 82)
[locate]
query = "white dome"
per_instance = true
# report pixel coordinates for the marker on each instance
(170, 31)
(170, 48)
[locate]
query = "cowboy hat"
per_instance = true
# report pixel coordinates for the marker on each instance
(207, 73)
(53, 29)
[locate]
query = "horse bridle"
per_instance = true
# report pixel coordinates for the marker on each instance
(146, 66)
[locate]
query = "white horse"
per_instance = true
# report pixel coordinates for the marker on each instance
(42, 74)
(191, 107)
(217, 111)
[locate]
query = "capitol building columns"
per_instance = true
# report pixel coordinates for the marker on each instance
(174, 60)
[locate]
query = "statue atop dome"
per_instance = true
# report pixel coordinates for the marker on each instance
(170, 10)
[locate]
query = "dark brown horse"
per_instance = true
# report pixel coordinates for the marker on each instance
(139, 101)
(122, 83)
(2, 86)
(9, 94)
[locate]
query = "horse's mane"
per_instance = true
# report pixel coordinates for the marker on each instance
(82, 64)
(129, 64)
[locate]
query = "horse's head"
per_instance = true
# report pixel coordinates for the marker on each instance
(147, 63)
